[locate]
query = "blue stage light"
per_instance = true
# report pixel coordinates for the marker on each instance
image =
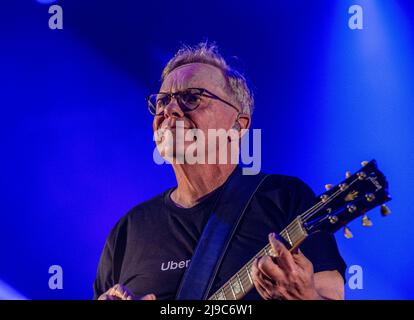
(46, 1)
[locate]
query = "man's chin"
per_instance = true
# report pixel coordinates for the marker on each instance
(172, 156)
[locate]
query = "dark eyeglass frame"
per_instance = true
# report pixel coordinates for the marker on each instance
(177, 95)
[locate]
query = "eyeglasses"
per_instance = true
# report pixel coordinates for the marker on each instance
(188, 100)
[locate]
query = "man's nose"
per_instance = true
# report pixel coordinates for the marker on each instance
(173, 110)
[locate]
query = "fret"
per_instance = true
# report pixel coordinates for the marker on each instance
(221, 295)
(300, 224)
(248, 273)
(227, 292)
(238, 279)
(241, 283)
(283, 233)
(236, 288)
(289, 240)
(297, 232)
(245, 283)
(261, 253)
(297, 237)
(231, 287)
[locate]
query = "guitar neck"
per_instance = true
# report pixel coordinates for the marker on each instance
(339, 205)
(241, 283)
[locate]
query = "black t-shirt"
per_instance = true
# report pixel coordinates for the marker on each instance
(149, 249)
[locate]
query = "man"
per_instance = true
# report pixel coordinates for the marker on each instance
(148, 251)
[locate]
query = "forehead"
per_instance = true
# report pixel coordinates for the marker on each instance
(194, 75)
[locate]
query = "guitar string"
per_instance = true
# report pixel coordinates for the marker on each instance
(242, 274)
(308, 213)
(292, 230)
(289, 229)
(304, 216)
(243, 271)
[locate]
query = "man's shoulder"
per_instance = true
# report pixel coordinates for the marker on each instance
(144, 211)
(150, 204)
(150, 207)
(290, 194)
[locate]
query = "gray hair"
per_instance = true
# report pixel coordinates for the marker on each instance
(208, 54)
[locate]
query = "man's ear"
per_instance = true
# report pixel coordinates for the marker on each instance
(244, 121)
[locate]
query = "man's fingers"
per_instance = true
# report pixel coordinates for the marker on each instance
(263, 278)
(150, 296)
(108, 295)
(121, 292)
(283, 256)
(263, 292)
(301, 260)
(259, 282)
(270, 269)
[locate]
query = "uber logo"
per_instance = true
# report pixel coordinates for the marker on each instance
(172, 265)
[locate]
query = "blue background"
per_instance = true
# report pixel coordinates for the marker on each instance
(76, 138)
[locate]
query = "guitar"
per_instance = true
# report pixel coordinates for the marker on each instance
(333, 210)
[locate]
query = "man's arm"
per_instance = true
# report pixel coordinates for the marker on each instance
(329, 285)
(291, 276)
(119, 292)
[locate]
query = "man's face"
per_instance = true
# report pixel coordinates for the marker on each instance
(210, 114)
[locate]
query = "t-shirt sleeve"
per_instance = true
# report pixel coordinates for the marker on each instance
(321, 247)
(105, 275)
(103, 280)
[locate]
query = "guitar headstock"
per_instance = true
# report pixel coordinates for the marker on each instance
(352, 198)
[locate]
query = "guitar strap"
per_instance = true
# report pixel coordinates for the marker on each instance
(227, 212)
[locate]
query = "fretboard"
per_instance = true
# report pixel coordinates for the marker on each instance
(241, 283)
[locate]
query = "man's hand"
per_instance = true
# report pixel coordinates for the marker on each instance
(285, 276)
(119, 292)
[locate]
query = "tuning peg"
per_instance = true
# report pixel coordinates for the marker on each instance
(364, 163)
(351, 196)
(328, 186)
(385, 211)
(347, 174)
(370, 197)
(351, 208)
(366, 222)
(347, 233)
